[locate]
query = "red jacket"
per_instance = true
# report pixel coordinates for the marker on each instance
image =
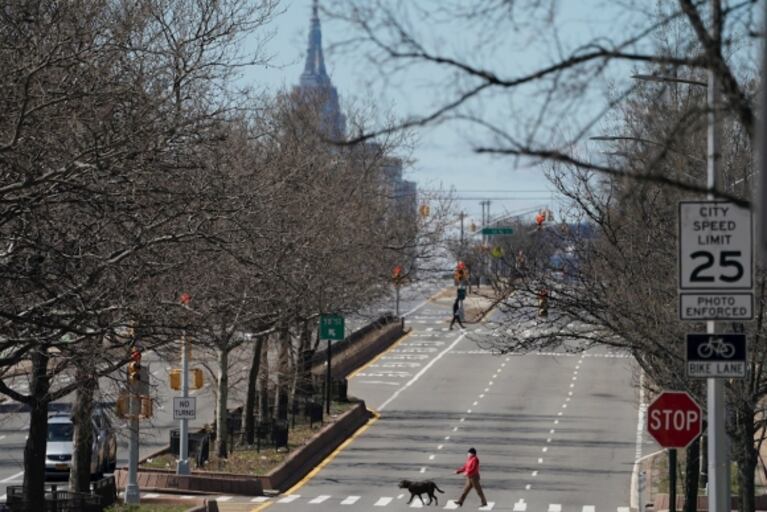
(471, 468)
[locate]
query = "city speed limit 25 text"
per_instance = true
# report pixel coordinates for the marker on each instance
(715, 244)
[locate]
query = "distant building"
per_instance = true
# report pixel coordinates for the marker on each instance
(315, 85)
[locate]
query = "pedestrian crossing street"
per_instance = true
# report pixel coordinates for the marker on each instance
(364, 502)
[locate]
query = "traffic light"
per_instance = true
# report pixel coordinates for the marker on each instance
(197, 378)
(146, 406)
(134, 372)
(134, 367)
(424, 210)
(123, 405)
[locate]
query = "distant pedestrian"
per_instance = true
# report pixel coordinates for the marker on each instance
(456, 315)
(471, 471)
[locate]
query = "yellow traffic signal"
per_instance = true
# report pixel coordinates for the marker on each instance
(146, 406)
(197, 378)
(134, 372)
(123, 405)
(175, 379)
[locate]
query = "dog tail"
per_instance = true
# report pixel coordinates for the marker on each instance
(440, 490)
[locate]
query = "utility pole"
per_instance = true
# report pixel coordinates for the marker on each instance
(718, 453)
(462, 215)
(183, 442)
(132, 493)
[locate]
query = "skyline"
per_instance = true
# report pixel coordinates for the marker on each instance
(441, 158)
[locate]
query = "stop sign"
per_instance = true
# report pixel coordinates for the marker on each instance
(674, 419)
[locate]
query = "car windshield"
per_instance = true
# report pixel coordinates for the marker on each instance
(60, 431)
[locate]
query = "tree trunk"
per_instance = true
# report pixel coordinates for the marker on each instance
(248, 410)
(747, 461)
(222, 396)
(283, 376)
(80, 472)
(263, 386)
(691, 474)
(34, 449)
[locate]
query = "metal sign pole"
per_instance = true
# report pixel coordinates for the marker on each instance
(718, 460)
(132, 493)
(327, 385)
(183, 442)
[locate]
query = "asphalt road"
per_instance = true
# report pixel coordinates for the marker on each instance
(155, 432)
(554, 431)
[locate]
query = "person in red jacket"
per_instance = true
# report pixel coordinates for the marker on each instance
(471, 472)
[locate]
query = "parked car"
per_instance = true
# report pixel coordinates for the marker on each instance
(60, 447)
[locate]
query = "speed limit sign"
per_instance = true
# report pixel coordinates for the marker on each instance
(715, 260)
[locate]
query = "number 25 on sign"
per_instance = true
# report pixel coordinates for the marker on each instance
(715, 246)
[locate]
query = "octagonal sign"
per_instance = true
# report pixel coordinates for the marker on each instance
(674, 419)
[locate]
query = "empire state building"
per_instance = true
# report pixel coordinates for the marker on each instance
(315, 85)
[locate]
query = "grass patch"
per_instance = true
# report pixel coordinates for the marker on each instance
(149, 507)
(246, 460)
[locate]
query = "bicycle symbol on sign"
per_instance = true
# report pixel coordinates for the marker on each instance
(716, 346)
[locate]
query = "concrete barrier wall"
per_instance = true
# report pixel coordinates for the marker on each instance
(218, 483)
(298, 464)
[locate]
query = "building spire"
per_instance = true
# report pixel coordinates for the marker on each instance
(314, 70)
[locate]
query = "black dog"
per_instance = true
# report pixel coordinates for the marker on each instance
(419, 488)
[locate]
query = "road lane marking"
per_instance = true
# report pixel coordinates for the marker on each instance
(569, 393)
(548, 439)
(555, 507)
(487, 389)
(468, 411)
(545, 449)
(461, 420)
(520, 506)
(416, 503)
(559, 413)
(320, 499)
(552, 431)
(440, 447)
(588, 508)
(556, 422)
(572, 385)
(476, 402)
(447, 438)
(150, 495)
(431, 457)
(527, 487)
(423, 469)
(489, 506)
(540, 460)
(623, 509)
(455, 429)
(350, 500)
(289, 499)
(12, 477)
(482, 395)
(224, 498)
(421, 372)
(451, 505)
(535, 473)
(260, 499)
(382, 502)
(379, 356)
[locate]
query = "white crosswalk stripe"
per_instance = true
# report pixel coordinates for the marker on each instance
(320, 499)
(489, 506)
(451, 505)
(259, 499)
(416, 503)
(382, 502)
(224, 498)
(350, 500)
(520, 506)
(623, 509)
(289, 499)
(588, 508)
(555, 507)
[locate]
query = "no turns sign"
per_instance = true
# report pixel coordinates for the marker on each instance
(674, 419)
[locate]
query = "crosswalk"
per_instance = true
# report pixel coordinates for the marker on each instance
(365, 502)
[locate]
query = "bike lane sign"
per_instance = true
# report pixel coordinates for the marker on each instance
(716, 356)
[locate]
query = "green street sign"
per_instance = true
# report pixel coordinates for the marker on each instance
(331, 327)
(497, 231)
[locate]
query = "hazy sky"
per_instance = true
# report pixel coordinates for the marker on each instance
(442, 156)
